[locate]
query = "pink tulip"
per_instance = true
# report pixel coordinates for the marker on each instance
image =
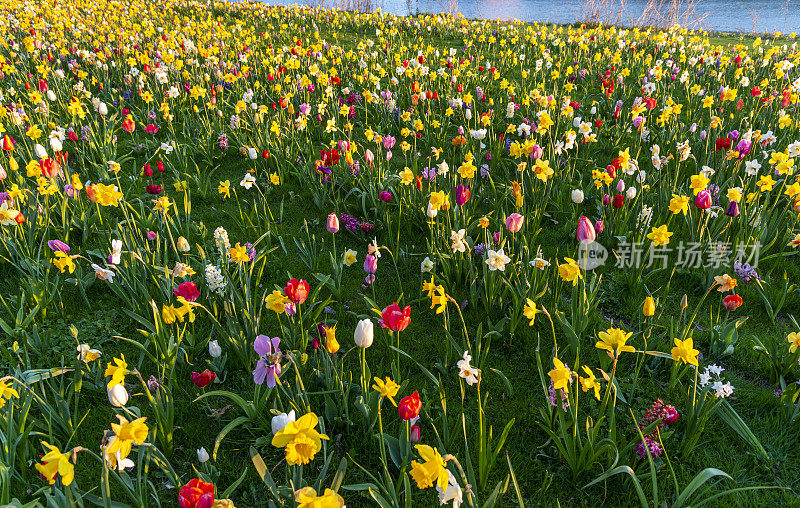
(514, 222)
(586, 233)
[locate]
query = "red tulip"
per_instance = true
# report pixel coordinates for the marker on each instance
(8, 143)
(49, 167)
(409, 406)
(196, 494)
(188, 290)
(296, 290)
(703, 200)
(129, 125)
(395, 319)
(732, 302)
(462, 194)
(618, 201)
(204, 378)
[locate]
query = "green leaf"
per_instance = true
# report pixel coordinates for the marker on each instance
(231, 425)
(628, 471)
(735, 422)
(233, 486)
(698, 481)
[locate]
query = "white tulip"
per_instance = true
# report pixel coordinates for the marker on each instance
(214, 349)
(51, 96)
(202, 455)
(40, 151)
(282, 420)
(56, 144)
(117, 395)
(364, 334)
(102, 109)
(577, 196)
(631, 192)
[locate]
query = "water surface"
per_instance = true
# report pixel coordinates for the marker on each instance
(747, 16)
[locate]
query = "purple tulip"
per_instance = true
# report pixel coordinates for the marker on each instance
(733, 209)
(58, 246)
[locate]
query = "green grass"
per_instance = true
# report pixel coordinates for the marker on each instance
(543, 479)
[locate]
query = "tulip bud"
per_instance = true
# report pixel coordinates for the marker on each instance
(684, 302)
(56, 144)
(618, 201)
(117, 395)
(214, 349)
(577, 196)
(431, 212)
(606, 200)
(649, 306)
(586, 233)
(599, 226)
(183, 244)
(630, 193)
(620, 186)
(102, 109)
(415, 434)
(333, 223)
(364, 334)
(252, 153)
(202, 455)
(51, 96)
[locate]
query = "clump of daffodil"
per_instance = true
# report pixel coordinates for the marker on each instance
(300, 439)
(685, 352)
(117, 369)
(570, 271)
(614, 341)
(560, 375)
(55, 463)
(386, 388)
(530, 311)
(433, 471)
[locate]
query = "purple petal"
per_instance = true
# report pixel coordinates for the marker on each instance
(260, 372)
(262, 345)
